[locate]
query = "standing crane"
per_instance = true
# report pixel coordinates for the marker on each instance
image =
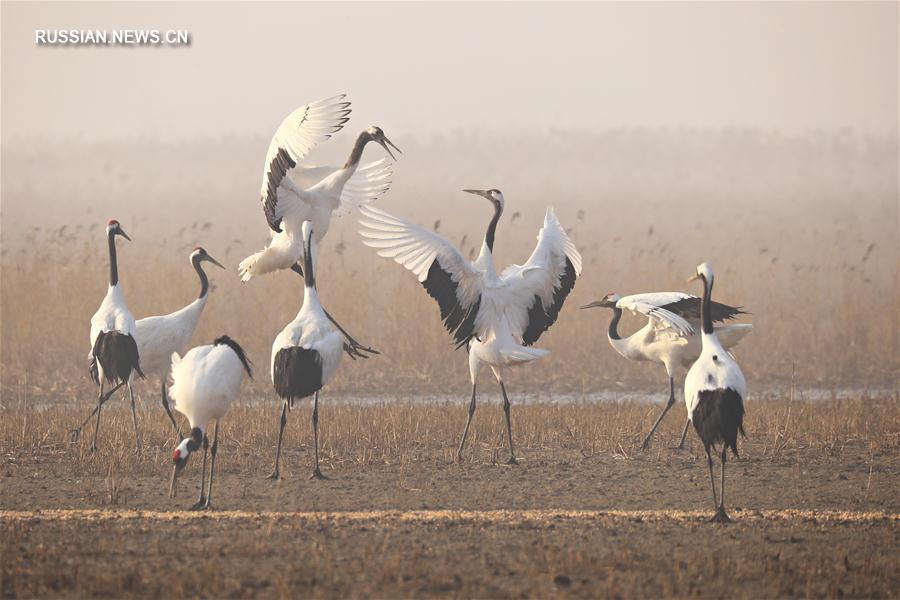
(205, 382)
(498, 318)
(306, 354)
(714, 392)
(662, 343)
(287, 205)
(114, 356)
(158, 337)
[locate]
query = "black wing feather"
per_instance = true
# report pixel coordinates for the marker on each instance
(459, 320)
(242, 356)
(298, 373)
(117, 353)
(689, 308)
(540, 318)
(278, 168)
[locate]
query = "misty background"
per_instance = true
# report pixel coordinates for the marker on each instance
(760, 136)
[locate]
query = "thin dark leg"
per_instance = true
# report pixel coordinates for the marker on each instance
(669, 404)
(316, 474)
(76, 433)
(462, 442)
(353, 348)
(212, 467)
(137, 435)
(684, 433)
(202, 499)
(276, 474)
(721, 515)
(712, 480)
(512, 455)
(100, 400)
(165, 403)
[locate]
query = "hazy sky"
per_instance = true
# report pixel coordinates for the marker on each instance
(442, 67)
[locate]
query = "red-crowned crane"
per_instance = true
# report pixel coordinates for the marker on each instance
(306, 354)
(114, 357)
(205, 382)
(714, 392)
(497, 317)
(319, 191)
(660, 342)
(158, 337)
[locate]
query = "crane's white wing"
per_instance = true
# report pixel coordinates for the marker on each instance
(446, 275)
(370, 181)
(294, 138)
(644, 304)
(536, 290)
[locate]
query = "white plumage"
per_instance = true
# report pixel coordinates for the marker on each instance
(318, 191)
(205, 383)
(498, 317)
(670, 336)
(306, 353)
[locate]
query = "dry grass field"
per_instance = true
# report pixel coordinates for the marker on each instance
(802, 231)
(586, 513)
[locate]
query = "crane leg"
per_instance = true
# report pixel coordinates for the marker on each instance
(76, 433)
(276, 474)
(462, 442)
(202, 499)
(721, 516)
(316, 474)
(165, 403)
(684, 434)
(659, 419)
(353, 348)
(712, 479)
(207, 505)
(137, 435)
(512, 455)
(100, 400)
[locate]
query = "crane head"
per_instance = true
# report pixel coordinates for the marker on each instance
(494, 195)
(113, 227)
(377, 135)
(608, 301)
(704, 272)
(180, 456)
(199, 254)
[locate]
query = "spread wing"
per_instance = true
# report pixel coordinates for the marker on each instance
(537, 290)
(370, 181)
(649, 305)
(444, 273)
(294, 138)
(689, 308)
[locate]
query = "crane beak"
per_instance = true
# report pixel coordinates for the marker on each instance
(594, 304)
(693, 277)
(384, 141)
(214, 261)
(482, 193)
(175, 471)
(123, 234)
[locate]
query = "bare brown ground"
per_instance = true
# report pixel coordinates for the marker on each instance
(814, 497)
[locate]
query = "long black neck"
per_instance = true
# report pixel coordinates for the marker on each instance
(113, 265)
(706, 306)
(614, 324)
(492, 227)
(308, 276)
(196, 439)
(356, 154)
(204, 281)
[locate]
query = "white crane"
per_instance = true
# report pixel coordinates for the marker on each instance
(498, 317)
(319, 191)
(205, 382)
(158, 337)
(714, 392)
(662, 343)
(114, 356)
(306, 354)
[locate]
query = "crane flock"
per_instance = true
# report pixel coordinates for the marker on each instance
(496, 317)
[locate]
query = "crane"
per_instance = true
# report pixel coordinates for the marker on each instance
(659, 342)
(496, 317)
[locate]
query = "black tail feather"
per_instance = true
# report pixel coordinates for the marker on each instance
(227, 341)
(117, 353)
